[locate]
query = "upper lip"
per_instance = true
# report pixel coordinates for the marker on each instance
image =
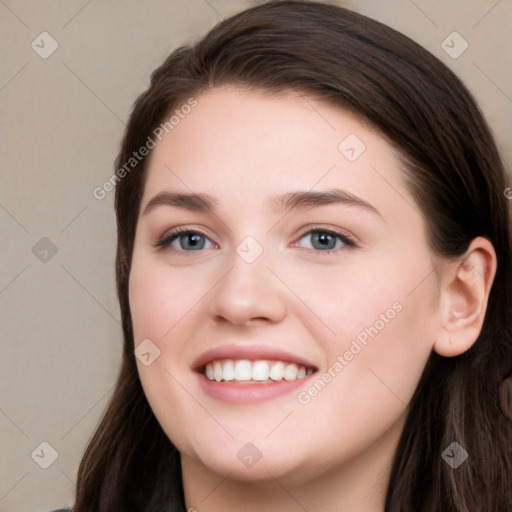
(251, 352)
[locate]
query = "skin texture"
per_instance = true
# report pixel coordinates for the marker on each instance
(336, 450)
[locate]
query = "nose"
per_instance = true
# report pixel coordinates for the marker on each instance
(248, 294)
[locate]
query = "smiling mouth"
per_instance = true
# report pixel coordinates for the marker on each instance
(245, 371)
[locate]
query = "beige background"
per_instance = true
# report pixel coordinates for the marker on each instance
(61, 123)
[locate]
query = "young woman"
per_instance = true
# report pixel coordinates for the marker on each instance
(314, 272)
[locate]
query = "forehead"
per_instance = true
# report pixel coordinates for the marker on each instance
(237, 143)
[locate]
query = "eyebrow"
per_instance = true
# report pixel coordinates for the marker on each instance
(285, 202)
(309, 199)
(192, 202)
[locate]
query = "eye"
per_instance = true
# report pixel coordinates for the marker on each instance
(185, 240)
(325, 240)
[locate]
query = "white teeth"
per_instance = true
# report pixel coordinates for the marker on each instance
(229, 370)
(277, 371)
(259, 371)
(243, 370)
(290, 372)
(217, 371)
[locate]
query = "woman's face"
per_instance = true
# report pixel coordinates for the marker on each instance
(281, 289)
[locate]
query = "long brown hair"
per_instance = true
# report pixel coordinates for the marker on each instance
(453, 170)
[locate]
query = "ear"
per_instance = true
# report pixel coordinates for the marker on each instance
(465, 287)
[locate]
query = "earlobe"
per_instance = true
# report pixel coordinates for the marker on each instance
(465, 288)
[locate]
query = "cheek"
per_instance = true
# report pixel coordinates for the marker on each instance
(364, 295)
(161, 299)
(382, 343)
(378, 325)
(160, 308)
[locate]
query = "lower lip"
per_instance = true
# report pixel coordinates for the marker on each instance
(248, 393)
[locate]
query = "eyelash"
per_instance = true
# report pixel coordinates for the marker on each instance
(172, 235)
(347, 241)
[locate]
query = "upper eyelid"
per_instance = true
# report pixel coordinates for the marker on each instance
(347, 240)
(331, 230)
(171, 234)
(178, 230)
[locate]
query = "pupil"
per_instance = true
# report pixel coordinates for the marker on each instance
(192, 241)
(324, 240)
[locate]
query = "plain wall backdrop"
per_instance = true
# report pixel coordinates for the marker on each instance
(63, 110)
